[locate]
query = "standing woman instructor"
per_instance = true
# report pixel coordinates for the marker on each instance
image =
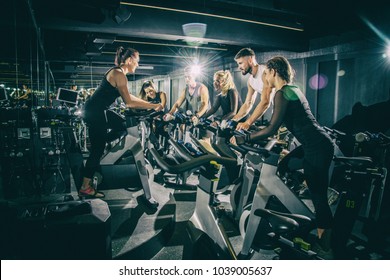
(113, 85)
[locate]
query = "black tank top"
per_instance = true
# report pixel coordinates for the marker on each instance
(300, 120)
(192, 102)
(100, 101)
(155, 100)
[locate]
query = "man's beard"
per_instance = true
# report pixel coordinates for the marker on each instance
(246, 71)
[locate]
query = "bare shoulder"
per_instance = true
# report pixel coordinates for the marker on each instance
(116, 77)
(203, 88)
(116, 72)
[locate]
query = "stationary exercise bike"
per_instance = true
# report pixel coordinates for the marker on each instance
(358, 216)
(245, 176)
(271, 192)
(284, 231)
(124, 165)
(360, 199)
(210, 240)
(181, 148)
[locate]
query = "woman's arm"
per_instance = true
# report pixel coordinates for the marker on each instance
(214, 108)
(280, 109)
(130, 100)
(233, 96)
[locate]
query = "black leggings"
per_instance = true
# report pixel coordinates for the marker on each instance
(316, 165)
(97, 138)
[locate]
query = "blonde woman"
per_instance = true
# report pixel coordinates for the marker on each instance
(228, 98)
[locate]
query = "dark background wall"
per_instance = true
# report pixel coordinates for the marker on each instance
(334, 78)
(336, 74)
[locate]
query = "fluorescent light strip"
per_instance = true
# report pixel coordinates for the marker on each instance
(161, 55)
(170, 45)
(211, 15)
(145, 67)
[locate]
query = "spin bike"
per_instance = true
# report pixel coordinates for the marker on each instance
(210, 240)
(204, 226)
(245, 176)
(360, 197)
(358, 217)
(271, 190)
(124, 163)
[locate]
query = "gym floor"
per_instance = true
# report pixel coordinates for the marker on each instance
(130, 241)
(138, 232)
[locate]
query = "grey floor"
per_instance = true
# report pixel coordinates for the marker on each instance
(134, 226)
(137, 232)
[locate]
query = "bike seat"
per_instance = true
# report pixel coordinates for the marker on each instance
(282, 223)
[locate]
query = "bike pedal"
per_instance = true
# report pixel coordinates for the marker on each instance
(301, 244)
(220, 210)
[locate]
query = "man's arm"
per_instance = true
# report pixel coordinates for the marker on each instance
(260, 108)
(204, 100)
(178, 102)
(247, 105)
(163, 98)
(25, 96)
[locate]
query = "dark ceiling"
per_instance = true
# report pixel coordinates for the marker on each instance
(78, 38)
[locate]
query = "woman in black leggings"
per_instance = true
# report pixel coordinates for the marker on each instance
(292, 109)
(113, 85)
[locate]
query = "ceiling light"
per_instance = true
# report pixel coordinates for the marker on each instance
(215, 16)
(122, 14)
(159, 55)
(194, 29)
(146, 67)
(104, 40)
(171, 45)
(92, 50)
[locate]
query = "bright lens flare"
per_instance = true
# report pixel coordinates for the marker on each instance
(195, 70)
(318, 81)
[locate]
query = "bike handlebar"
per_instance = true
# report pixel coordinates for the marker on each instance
(141, 113)
(190, 164)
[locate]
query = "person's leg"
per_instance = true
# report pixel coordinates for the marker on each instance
(97, 137)
(316, 170)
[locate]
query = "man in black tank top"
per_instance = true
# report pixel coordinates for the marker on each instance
(113, 85)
